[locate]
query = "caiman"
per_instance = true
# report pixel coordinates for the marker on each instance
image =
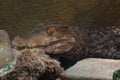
(72, 42)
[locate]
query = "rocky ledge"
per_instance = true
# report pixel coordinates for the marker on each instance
(93, 69)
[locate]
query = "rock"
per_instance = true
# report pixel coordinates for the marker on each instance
(34, 64)
(92, 69)
(5, 48)
(116, 75)
(7, 59)
(17, 14)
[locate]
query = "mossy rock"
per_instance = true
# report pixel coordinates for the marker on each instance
(116, 75)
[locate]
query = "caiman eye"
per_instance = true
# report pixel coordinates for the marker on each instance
(50, 31)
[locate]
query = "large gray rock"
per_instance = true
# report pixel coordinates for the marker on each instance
(92, 69)
(5, 48)
(7, 59)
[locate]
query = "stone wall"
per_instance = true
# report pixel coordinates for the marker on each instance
(19, 17)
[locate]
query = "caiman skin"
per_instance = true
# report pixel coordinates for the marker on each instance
(74, 42)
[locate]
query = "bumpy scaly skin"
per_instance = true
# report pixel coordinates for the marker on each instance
(98, 43)
(52, 39)
(74, 42)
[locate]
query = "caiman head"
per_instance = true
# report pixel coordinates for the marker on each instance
(54, 38)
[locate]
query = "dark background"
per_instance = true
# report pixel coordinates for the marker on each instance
(19, 17)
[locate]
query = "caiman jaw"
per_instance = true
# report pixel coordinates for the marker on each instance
(59, 47)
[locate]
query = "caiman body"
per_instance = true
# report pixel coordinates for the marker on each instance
(74, 42)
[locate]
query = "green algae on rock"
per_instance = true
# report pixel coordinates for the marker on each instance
(7, 59)
(116, 75)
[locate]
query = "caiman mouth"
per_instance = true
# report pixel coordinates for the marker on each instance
(54, 47)
(51, 43)
(59, 46)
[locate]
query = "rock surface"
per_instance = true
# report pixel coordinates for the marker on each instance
(7, 59)
(34, 64)
(5, 48)
(19, 17)
(92, 69)
(116, 75)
